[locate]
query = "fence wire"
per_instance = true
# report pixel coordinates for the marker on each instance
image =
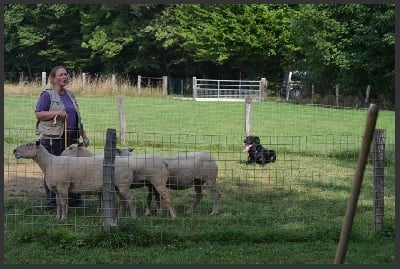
(306, 188)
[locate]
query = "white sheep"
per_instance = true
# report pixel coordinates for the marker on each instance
(185, 170)
(79, 150)
(192, 169)
(84, 175)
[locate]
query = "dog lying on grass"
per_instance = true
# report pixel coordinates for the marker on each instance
(256, 152)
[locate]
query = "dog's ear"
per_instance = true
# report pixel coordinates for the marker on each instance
(257, 140)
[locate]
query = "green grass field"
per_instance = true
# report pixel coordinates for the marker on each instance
(288, 212)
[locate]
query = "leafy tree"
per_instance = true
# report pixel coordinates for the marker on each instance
(245, 37)
(37, 37)
(114, 34)
(351, 44)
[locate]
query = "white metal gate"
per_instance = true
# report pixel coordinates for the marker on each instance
(227, 90)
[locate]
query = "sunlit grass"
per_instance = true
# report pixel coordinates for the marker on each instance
(268, 214)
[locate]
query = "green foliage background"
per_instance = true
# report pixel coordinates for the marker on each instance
(347, 44)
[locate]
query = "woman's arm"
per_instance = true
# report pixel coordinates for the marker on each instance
(49, 115)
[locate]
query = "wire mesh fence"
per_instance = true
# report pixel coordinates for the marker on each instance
(306, 188)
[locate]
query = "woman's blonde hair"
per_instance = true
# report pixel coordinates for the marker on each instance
(53, 72)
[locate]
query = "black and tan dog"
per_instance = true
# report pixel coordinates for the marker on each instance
(256, 152)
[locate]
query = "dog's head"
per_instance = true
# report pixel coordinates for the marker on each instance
(250, 141)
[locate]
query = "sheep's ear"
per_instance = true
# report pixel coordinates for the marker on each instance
(37, 143)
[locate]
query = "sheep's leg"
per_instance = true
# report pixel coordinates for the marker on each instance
(214, 189)
(127, 197)
(199, 196)
(58, 206)
(62, 204)
(158, 200)
(122, 205)
(150, 192)
(58, 203)
(164, 193)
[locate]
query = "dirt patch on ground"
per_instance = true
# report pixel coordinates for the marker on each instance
(23, 180)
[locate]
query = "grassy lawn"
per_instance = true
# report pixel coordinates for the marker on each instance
(288, 212)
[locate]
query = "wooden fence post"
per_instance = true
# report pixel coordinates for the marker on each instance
(367, 95)
(312, 92)
(122, 121)
(378, 164)
(113, 82)
(44, 83)
(139, 82)
(264, 85)
(109, 214)
(356, 186)
(194, 88)
(83, 82)
(248, 116)
(337, 95)
(165, 85)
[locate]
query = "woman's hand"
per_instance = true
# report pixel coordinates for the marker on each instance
(62, 114)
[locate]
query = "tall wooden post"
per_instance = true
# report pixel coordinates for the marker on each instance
(139, 83)
(356, 186)
(83, 82)
(264, 85)
(312, 92)
(122, 121)
(113, 82)
(109, 212)
(165, 85)
(194, 88)
(367, 92)
(337, 95)
(44, 82)
(248, 116)
(379, 171)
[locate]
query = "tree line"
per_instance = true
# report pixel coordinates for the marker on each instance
(348, 44)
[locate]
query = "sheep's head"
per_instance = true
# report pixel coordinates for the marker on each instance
(77, 150)
(124, 152)
(26, 151)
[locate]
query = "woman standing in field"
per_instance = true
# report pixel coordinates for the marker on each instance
(59, 124)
